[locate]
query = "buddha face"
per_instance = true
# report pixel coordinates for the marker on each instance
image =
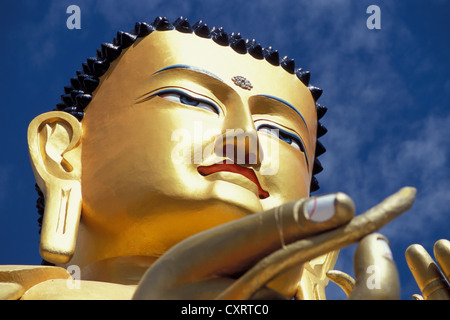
(157, 137)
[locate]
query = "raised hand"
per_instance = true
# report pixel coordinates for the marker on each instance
(431, 277)
(236, 260)
(375, 271)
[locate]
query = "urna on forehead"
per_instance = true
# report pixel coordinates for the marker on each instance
(78, 94)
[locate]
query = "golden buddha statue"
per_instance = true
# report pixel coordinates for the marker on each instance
(179, 165)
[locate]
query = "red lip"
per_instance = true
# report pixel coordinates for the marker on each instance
(232, 167)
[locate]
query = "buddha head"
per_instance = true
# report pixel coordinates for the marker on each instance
(170, 130)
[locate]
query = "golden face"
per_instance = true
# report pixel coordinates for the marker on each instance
(156, 163)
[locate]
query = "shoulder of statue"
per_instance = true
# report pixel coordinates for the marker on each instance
(15, 280)
(52, 283)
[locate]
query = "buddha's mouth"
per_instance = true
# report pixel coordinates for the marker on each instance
(235, 168)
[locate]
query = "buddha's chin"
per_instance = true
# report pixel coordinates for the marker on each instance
(236, 197)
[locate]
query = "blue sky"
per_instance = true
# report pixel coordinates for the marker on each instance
(387, 92)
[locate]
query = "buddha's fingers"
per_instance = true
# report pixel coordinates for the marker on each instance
(343, 280)
(427, 274)
(442, 255)
(305, 250)
(375, 270)
(234, 247)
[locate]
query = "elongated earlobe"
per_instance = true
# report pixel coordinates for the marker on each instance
(55, 151)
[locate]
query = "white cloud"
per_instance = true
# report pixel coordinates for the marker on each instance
(421, 160)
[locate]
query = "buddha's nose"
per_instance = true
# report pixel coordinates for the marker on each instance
(242, 147)
(239, 140)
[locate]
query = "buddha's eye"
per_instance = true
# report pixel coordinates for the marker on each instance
(187, 99)
(289, 138)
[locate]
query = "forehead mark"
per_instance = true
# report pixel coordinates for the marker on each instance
(242, 82)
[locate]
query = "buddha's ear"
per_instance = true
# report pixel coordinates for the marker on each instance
(54, 141)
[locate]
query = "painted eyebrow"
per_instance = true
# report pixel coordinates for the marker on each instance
(287, 104)
(188, 67)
